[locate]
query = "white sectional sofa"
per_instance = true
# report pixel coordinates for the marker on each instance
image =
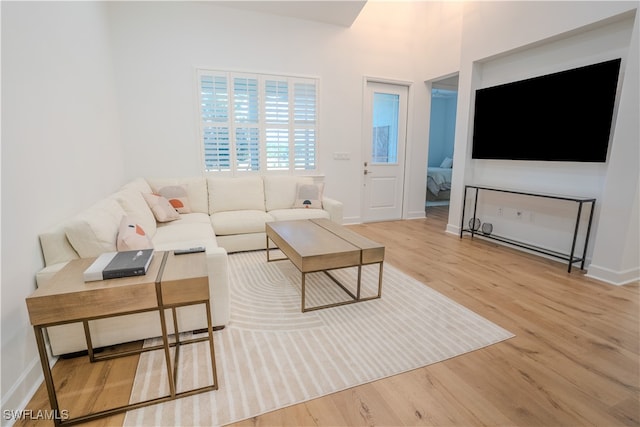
(223, 214)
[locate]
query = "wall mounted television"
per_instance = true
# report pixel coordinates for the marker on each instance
(564, 116)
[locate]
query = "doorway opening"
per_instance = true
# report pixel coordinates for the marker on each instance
(442, 125)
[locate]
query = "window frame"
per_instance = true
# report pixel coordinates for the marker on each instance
(301, 126)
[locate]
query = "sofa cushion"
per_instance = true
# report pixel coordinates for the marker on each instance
(194, 217)
(94, 230)
(131, 236)
(239, 222)
(280, 190)
(135, 206)
(138, 184)
(174, 235)
(235, 194)
(161, 208)
(196, 188)
(55, 245)
(309, 196)
(293, 214)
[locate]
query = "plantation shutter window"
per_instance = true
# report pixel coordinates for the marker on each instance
(214, 112)
(254, 122)
(246, 122)
(304, 107)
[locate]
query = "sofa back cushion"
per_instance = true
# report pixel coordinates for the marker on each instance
(235, 194)
(280, 190)
(95, 230)
(138, 184)
(55, 246)
(195, 188)
(135, 206)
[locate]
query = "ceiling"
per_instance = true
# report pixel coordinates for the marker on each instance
(337, 12)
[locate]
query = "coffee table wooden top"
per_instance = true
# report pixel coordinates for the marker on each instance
(319, 244)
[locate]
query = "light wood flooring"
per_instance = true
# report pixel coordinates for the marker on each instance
(573, 362)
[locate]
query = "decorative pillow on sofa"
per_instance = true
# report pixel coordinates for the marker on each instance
(177, 196)
(447, 162)
(280, 190)
(309, 196)
(161, 208)
(135, 206)
(131, 236)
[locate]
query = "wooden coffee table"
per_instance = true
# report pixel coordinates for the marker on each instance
(171, 282)
(320, 245)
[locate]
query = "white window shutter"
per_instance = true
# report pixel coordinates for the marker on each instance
(247, 149)
(305, 113)
(254, 122)
(276, 102)
(245, 100)
(304, 149)
(217, 149)
(214, 113)
(304, 103)
(277, 149)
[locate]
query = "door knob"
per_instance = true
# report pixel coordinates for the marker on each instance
(366, 172)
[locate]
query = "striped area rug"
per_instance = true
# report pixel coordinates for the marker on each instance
(271, 355)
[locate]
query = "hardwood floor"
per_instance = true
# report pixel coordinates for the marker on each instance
(573, 362)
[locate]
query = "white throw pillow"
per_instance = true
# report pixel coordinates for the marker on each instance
(309, 196)
(178, 197)
(447, 163)
(131, 236)
(280, 190)
(161, 208)
(196, 188)
(136, 207)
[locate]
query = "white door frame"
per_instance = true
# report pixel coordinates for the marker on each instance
(365, 122)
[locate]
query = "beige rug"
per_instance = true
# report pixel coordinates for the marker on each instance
(272, 355)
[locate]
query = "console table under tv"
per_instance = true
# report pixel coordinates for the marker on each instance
(570, 258)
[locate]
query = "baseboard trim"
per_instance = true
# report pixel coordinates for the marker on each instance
(18, 397)
(416, 215)
(453, 229)
(617, 278)
(351, 220)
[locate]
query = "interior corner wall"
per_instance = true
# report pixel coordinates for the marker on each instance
(94, 93)
(573, 34)
(158, 45)
(616, 258)
(60, 153)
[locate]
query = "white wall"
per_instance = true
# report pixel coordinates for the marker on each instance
(617, 250)
(157, 47)
(81, 80)
(550, 37)
(60, 152)
(78, 78)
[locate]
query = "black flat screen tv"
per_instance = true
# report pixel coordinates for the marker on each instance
(565, 116)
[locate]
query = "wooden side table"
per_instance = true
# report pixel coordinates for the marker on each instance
(171, 282)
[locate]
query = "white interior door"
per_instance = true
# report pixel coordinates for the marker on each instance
(385, 112)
